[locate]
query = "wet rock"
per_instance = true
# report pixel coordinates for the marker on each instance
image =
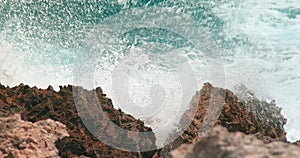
(217, 106)
(211, 106)
(268, 115)
(19, 138)
(220, 143)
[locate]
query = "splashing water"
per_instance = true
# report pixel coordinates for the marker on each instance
(257, 41)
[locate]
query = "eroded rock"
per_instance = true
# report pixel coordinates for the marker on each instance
(39, 104)
(268, 115)
(217, 106)
(20, 138)
(220, 143)
(210, 106)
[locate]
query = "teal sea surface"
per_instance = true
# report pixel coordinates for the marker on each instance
(257, 43)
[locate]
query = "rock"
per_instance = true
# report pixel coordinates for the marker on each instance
(268, 114)
(220, 143)
(297, 143)
(25, 139)
(40, 104)
(211, 106)
(217, 106)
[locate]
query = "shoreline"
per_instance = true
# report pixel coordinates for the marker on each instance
(34, 104)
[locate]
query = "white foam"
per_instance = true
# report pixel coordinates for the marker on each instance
(268, 62)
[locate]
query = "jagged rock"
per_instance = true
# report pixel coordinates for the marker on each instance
(39, 104)
(19, 138)
(220, 106)
(210, 106)
(220, 143)
(268, 114)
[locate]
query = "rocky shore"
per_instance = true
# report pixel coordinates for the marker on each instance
(35, 104)
(222, 125)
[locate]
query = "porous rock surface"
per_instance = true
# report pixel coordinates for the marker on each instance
(220, 143)
(20, 138)
(35, 104)
(218, 106)
(266, 112)
(211, 106)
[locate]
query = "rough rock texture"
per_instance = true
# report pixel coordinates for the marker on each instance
(219, 143)
(268, 114)
(220, 106)
(209, 107)
(25, 139)
(37, 104)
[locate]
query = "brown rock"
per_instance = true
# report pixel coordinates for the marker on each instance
(39, 104)
(220, 143)
(25, 139)
(268, 118)
(209, 107)
(297, 143)
(220, 106)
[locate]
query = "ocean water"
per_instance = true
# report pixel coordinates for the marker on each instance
(137, 50)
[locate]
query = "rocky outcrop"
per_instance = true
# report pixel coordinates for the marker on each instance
(267, 116)
(25, 139)
(210, 107)
(220, 143)
(217, 106)
(40, 104)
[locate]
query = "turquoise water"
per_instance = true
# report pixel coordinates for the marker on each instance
(257, 42)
